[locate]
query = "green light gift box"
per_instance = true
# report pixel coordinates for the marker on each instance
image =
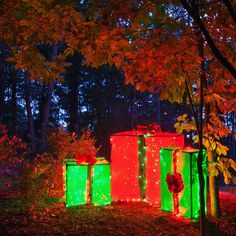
(86, 183)
(178, 170)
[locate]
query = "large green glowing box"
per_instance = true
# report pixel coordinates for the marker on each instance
(183, 164)
(87, 183)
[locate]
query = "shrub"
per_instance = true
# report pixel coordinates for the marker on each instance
(35, 182)
(43, 177)
(68, 145)
(64, 145)
(12, 153)
(12, 148)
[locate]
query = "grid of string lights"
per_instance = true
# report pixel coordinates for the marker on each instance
(135, 164)
(85, 183)
(180, 181)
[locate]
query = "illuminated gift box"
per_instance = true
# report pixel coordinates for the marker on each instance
(87, 183)
(180, 181)
(135, 166)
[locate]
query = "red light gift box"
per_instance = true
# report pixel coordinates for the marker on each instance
(135, 166)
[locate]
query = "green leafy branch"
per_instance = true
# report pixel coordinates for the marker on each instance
(213, 132)
(224, 165)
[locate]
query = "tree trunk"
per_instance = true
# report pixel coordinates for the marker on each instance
(199, 125)
(133, 110)
(74, 104)
(14, 100)
(158, 106)
(213, 185)
(31, 129)
(45, 116)
(233, 147)
(2, 88)
(213, 191)
(200, 45)
(46, 108)
(200, 134)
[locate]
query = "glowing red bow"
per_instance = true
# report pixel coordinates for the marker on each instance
(87, 158)
(175, 182)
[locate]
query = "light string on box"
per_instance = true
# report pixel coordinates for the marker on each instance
(87, 183)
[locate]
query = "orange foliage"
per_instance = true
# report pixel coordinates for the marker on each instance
(68, 145)
(43, 178)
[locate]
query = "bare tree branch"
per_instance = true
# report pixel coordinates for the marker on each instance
(209, 39)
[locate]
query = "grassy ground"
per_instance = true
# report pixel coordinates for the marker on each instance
(117, 219)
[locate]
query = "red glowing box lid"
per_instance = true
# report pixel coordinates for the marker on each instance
(158, 134)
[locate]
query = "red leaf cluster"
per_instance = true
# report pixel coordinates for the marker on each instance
(12, 148)
(87, 158)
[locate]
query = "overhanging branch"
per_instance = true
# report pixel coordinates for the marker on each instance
(209, 39)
